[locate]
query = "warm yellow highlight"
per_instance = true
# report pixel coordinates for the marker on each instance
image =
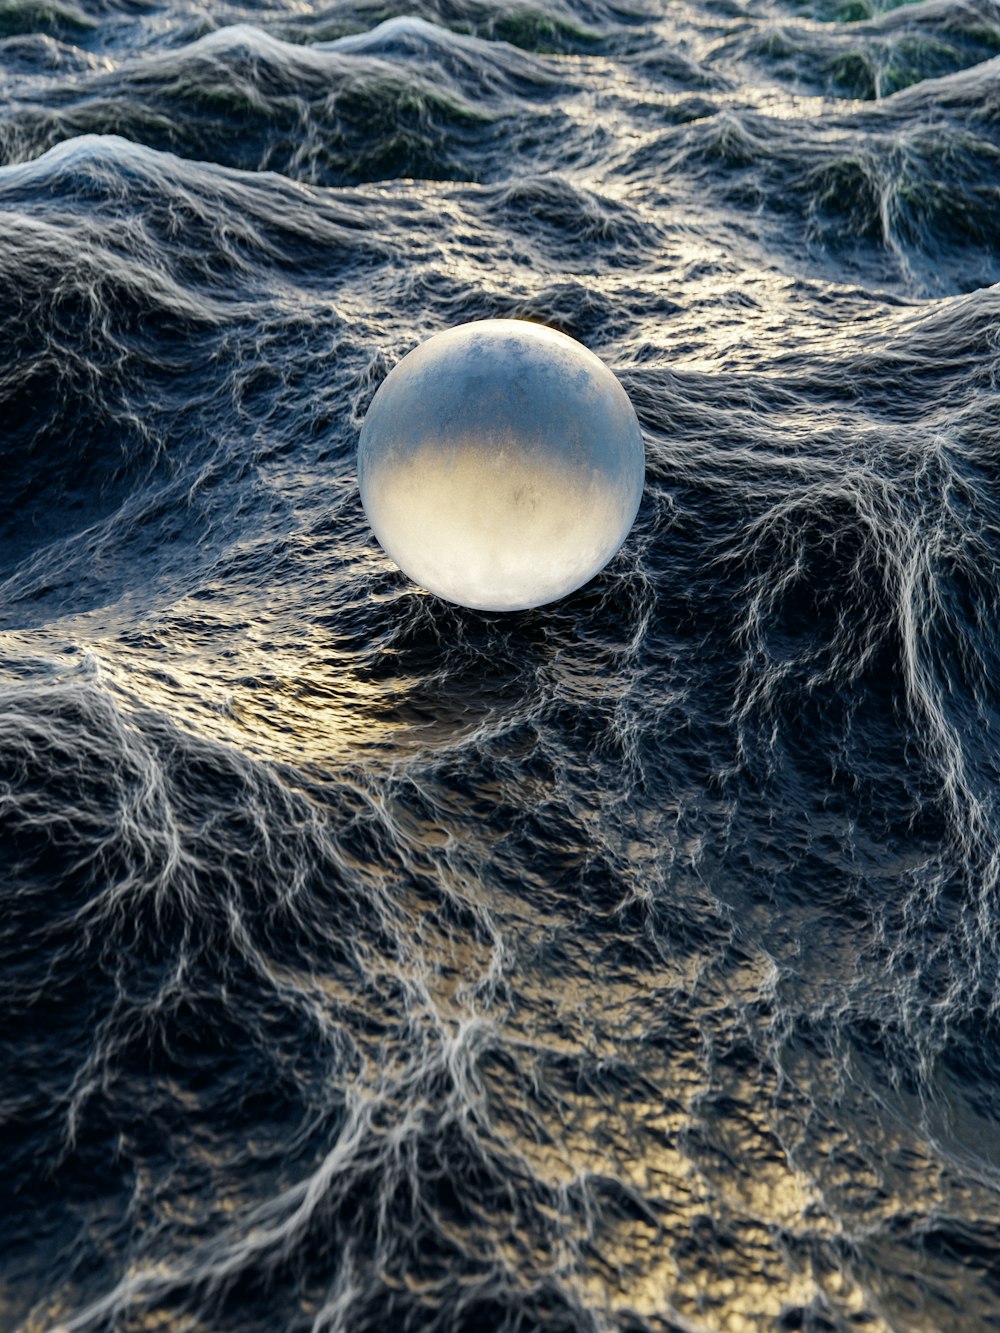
(492, 527)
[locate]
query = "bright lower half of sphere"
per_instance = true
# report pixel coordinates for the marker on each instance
(501, 465)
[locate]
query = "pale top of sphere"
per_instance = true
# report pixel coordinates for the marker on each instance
(501, 465)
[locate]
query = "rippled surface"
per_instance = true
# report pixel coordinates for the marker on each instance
(630, 964)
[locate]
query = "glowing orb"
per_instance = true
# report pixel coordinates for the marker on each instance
(500, 465)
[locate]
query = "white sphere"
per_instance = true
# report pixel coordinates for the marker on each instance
(501, 465)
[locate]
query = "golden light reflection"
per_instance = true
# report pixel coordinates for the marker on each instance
(279, 689)
(700, 1184)
(699, 1208)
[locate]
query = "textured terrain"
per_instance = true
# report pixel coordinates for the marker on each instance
(626, 965)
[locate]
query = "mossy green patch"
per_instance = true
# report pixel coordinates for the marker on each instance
(534, 30)
(20, 17)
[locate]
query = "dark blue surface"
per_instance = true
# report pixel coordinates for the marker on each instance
(631, 963)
